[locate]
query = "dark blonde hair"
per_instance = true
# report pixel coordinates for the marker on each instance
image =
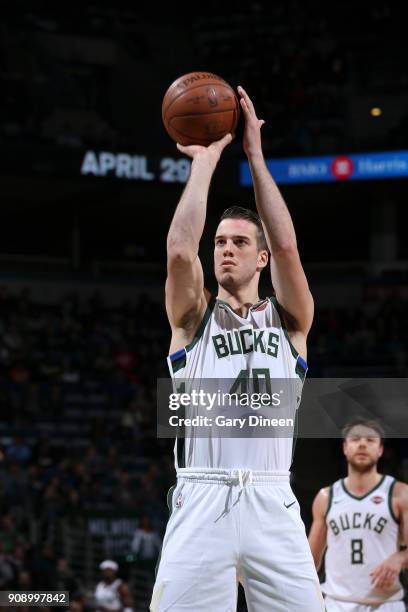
(359, 420)
(239, 212)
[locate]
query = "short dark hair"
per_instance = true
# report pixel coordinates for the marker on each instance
(239, 212)
(359, 420)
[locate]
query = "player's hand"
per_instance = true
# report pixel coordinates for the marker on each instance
(252, 132)
(385, 574)
(212, 153)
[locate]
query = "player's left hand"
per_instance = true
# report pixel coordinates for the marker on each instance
(385, 574)
(252, 131)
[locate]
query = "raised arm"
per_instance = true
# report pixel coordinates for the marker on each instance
(318, 530)
(288, 277)
(185, 296)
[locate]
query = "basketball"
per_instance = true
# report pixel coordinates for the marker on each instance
(200, 107)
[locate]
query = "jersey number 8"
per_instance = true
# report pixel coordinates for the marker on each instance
(357, 552)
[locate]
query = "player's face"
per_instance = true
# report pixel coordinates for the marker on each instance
(362, 448)
(236, 255)
(108, 575)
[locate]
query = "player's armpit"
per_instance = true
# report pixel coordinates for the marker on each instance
(318, 531)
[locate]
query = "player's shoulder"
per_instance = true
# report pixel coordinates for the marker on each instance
(192, 327)
(400, 490)
(322, 500)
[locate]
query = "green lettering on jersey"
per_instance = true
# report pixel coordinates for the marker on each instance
(346, 523)
(220, 346)
(237, 350)
(355, 515)
(241, 382)
(334, 527)
(258, 344)
(262, 373)
(273, 344)
(382, 521)
(367, 521)
(245, 348)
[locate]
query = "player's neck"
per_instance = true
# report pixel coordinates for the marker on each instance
(240, 300)
(359, 484)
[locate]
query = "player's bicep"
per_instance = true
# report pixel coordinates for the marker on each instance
(184, 291)
(292, 290)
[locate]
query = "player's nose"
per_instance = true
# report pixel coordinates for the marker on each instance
(227, 248)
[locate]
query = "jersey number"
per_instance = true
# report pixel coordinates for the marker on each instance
(258, 375)
(357, 552)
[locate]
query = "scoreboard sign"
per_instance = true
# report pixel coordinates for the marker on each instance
(353, 167)
(135, 167)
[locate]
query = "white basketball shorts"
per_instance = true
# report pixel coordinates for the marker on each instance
(336, 605)
(230, 526)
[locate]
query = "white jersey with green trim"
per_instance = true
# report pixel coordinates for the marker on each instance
(233, 350)
(361, 533)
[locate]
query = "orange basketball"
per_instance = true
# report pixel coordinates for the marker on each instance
(200, 107)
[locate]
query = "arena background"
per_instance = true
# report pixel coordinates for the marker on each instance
(83, 332)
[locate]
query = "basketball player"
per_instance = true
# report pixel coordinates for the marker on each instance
(361, 520)
(112, 593)
(234, 516)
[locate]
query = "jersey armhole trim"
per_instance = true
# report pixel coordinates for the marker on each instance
(301, 365)
(203, 324)
(390, 501)
(329, 504)
(178, 359)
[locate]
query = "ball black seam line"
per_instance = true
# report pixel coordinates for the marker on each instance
(199, 140)
(191, 89)
(216, 112)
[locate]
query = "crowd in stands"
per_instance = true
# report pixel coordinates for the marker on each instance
(78, 414)
(373, 336)
(64, 71)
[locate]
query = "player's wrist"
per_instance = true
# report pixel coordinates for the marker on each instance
(204, 161)
(255, 155)
(402, 556)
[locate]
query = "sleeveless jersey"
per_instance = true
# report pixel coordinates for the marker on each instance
(361, 533)
(107, 595)
(227, 348)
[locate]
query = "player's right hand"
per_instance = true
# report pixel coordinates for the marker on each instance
(212, 153)
(386, 573)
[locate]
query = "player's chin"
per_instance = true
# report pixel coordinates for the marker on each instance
(362, 464)
(225, 275)
(227, 281)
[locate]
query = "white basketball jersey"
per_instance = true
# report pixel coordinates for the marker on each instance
(361, 533)
(228, 347)
(107, 595)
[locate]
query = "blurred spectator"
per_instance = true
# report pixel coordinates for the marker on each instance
(18, 451)
(43, 568)
(65, 579)
(146, 543)
(112, 593)
(10, 537)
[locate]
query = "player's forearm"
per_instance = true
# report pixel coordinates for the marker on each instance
(271, 206)
(317, 551)
(188, 222)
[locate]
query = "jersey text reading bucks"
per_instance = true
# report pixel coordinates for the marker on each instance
(231, 348)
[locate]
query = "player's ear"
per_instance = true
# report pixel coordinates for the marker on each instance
(263, 257)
